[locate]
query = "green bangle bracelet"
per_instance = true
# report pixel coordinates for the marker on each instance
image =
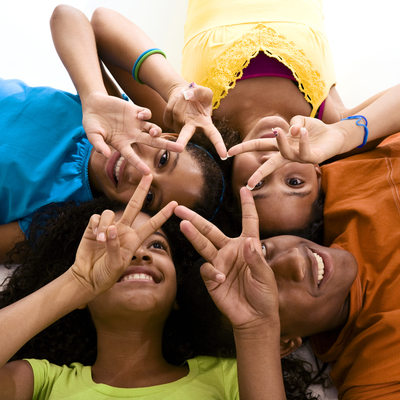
(139, 61)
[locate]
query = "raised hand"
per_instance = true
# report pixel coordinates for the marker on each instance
(107, 248)
(239, 280)
(309, 140)
(190, 108)
(119, 123)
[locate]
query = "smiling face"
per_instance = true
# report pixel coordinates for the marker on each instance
(284, 198)
(176, 176)
(147, 286)
(313, 284)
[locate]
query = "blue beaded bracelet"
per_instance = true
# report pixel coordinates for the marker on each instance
(366, 131)
(139, 61)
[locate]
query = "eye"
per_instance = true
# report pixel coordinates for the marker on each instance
(164, 159)
(294, 182)
(258, 186)
(159, 245)
(264, 249)
(148, 200)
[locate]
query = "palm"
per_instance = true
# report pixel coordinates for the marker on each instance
(249, 291)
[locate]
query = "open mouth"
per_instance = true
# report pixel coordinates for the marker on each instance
(137, 277)
(117, 167)
(321, 267)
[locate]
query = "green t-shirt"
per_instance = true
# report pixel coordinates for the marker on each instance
(208, 378)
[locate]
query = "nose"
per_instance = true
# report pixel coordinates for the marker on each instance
(142, 255)
(291, 265)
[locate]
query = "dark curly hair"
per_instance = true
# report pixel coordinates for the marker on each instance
(49, 250)
(195, 329)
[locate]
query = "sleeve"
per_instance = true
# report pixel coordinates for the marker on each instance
(229, 372)
(44, 377)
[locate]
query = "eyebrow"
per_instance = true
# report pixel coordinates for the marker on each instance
(160, 197)
(161, 234)
(298, 194)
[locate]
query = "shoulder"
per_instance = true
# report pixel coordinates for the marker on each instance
(16, 380)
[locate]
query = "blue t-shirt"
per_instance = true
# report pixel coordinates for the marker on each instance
(44, 152)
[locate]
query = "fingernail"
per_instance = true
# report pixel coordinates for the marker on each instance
(95, 231)
(275, 132)
(113, 233)
(188, 94)
(220, 277)
(101, 237)
(250, 188)
(303, 131)
(224, 158)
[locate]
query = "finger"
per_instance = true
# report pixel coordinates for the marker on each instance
(202, 245)
(186, 134)
(100, 146)
(272, 164)
(216, 139)
(114, 260)
(107, 218)
(205, 227)
(210, 273)
(156, 222)
(144, 114)
(249, 214)
(133, 159)
(286, 150)
(159, 143)
(253, 145)
(136, 202)
(296, 123)
(304, 146)
(254, 259)
(94, 223)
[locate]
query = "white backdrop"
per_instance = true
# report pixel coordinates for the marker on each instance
(364, 37)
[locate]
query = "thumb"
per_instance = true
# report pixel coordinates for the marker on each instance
(256, 262)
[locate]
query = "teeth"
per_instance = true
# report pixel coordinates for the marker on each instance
(133, 277)
(321, 267)
(117, 167)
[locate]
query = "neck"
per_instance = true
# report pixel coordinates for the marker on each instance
(133, 358)
(256, 98)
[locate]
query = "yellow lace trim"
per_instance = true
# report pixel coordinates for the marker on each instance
(261, 38)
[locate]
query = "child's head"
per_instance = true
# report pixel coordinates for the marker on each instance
(192, 178)
(313, 284)
(290, 199)
(50, 250)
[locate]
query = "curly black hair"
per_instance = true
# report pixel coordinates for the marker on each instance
(195, 329)
(47, 253)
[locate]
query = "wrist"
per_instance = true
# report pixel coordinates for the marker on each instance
(259, 330)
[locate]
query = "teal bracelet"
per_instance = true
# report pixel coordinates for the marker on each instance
(139, 61)
(366, 131)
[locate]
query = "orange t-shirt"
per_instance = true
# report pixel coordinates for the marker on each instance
(362, 216)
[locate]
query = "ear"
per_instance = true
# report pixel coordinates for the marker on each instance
(82, 307)
(288, 346)
(318, 172)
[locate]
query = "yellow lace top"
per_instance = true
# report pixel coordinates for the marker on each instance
(222, 36)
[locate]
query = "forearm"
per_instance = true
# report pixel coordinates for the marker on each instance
(120, 42)
(382, 115)
(22, 320)
(75, 44)
(259, 363)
